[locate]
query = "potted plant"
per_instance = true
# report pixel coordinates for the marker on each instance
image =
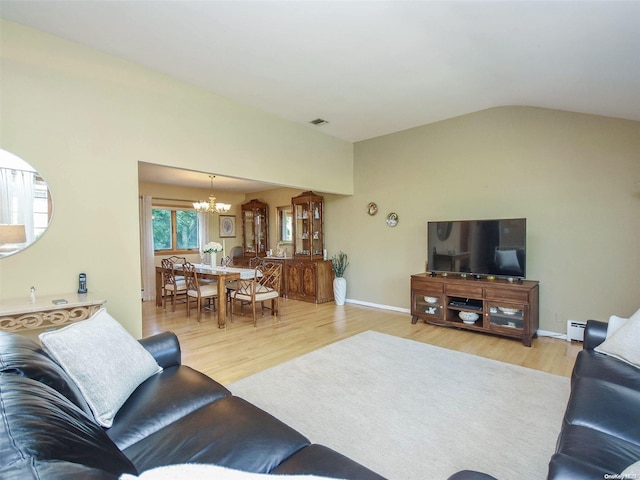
(339, 262)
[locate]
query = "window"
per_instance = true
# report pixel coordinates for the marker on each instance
(41, 207)
(175, 230)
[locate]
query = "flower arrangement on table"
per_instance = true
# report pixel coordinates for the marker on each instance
(212, 247)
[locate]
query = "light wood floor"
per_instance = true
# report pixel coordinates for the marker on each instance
(241, 349)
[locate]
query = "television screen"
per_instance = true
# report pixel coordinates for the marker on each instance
(478, 247)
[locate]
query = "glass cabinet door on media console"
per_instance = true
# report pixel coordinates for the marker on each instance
(428, 301)
(255, 228)
(308, 226)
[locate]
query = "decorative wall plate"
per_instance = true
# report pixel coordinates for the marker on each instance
(392, 219)
(372, 208)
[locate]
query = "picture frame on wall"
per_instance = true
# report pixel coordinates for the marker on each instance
(227, 226)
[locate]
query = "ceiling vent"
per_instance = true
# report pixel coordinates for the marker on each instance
(318, 121)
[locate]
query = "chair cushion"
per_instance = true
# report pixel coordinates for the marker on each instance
(267, 295)
(262, 293)
(103, 359)
(180, 285)
(209, 290)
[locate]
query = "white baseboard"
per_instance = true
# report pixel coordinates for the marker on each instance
(377, 305)
(546, 333)
(541, 333)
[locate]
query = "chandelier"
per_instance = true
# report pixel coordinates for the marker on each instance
(211, 206)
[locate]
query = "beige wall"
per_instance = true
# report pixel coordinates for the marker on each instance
(574, 177)
(84, 120)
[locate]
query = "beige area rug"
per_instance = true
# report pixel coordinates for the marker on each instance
(414, 411)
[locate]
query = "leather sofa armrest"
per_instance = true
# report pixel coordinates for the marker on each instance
(594, 334)
(165, 348)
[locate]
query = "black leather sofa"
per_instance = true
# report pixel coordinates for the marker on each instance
(600, 434)
(176, 416)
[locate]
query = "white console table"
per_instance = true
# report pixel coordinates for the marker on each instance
(20, 314)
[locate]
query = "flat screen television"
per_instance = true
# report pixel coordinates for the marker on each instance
(478, 247)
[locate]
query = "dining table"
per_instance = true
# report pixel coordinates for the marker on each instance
(219, 273)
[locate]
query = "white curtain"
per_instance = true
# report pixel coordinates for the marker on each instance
(146, 250)
(203, 232)
(16, 199)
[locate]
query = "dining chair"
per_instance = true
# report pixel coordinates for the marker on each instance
(255, 261)
(171, 284)
(197, 291)
(230, 285)
(264, 286)
(178, 261)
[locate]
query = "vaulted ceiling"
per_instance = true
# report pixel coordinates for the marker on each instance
(370, 67)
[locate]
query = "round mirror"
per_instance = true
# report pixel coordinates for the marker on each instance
(25, 204)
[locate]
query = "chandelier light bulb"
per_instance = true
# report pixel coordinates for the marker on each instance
(211, 206)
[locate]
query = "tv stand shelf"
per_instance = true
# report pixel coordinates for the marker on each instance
(505, 308)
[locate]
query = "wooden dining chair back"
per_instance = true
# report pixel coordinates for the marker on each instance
(264, 286)
(197, 291)
(254, 262)
(270, 273)
(172, 285)
(176, 259)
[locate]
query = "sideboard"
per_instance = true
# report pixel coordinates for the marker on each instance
(306, 280)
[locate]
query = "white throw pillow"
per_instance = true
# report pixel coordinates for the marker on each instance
(202, 471)
(624, 343)
(103, 359)
(632, 471)
(616, 322)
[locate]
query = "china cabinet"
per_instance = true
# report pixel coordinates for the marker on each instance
(495, 306)
(308, 226)
(255, 228)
